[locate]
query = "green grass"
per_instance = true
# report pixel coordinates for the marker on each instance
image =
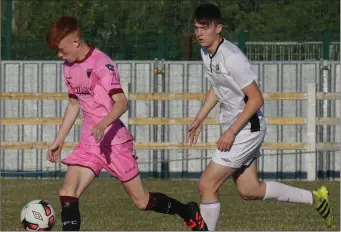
(105, 206)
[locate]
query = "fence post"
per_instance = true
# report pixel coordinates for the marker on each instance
(187, 47)
(155, 113)
(324, 131)
(162, 49)
(125, 117)
(242, 41)
(326, 39)
(311, 132)
(164, 154)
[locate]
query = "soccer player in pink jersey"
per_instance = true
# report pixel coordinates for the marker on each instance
(93, 85)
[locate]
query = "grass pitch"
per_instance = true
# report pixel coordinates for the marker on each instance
(106, 206)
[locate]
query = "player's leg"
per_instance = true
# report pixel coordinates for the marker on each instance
(210, 181)
(161, 203)
(80, 173)
(123, 165)
(223, 165)
(246, 178)
(77, 179)
(145, 200)
(250, 188)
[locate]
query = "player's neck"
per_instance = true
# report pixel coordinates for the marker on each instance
(212, 49)
(83, 51)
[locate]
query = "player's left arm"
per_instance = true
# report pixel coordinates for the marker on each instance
(110, 81)
(119, 108)
(245, 77)
(254, 103)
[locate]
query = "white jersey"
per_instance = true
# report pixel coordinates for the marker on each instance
(229, 71)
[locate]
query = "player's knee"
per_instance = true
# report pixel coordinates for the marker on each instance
(78, 193)
(206, 187)
(64, 191)
(141, 202)
(249, 193)
(246, 194)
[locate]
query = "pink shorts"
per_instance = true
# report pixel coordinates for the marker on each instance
(118, 160)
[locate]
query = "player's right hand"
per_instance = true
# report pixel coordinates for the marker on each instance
(193, 132)
(53, 153)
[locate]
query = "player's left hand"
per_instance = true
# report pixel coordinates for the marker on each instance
(226, 140)
(98, 131)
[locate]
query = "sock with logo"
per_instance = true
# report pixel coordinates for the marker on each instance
(71, 218)
(161, 203)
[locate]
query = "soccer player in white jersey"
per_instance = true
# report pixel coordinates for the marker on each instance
(234, 87)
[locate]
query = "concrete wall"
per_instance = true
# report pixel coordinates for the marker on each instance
(41, 76)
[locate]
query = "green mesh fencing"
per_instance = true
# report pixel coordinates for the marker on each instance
(145, 30)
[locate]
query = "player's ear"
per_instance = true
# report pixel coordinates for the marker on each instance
(77, 42)
(219, 28)
(76, 39)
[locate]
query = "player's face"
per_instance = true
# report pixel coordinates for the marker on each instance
(68, 49)
(207, 33)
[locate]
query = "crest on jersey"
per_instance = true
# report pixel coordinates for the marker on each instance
(88, 72)
(217, 68)
(110, 67)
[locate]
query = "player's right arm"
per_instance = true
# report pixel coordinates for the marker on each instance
(210, 102)
(70, 116)
(195, 128)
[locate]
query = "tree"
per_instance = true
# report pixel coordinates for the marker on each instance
(134, 29)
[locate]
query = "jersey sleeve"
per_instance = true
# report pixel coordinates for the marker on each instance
(207, 77)
(109, 76)
(240, 70)
(70, 90)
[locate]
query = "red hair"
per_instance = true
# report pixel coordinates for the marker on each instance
(61, 28)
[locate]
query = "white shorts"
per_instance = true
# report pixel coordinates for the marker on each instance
(245, 149)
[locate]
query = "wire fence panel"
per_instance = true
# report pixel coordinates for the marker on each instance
(287, 51)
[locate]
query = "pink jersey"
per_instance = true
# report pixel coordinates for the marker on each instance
(93, 81)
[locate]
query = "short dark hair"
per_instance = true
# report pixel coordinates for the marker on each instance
(207, 13)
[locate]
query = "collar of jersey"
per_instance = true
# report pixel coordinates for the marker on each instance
(92, 48)
(216, 50)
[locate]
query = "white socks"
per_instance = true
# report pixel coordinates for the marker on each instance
(210, 213)
(274, 191)
(282, 192)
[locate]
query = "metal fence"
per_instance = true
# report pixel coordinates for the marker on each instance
(177, 77)
(295, 51)
(149, 49)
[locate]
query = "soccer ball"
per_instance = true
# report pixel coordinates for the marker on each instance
(38, 215)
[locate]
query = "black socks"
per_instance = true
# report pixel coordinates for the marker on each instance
(161, 203)
(71, 218)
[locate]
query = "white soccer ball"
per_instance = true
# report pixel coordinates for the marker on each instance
(38, 215)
